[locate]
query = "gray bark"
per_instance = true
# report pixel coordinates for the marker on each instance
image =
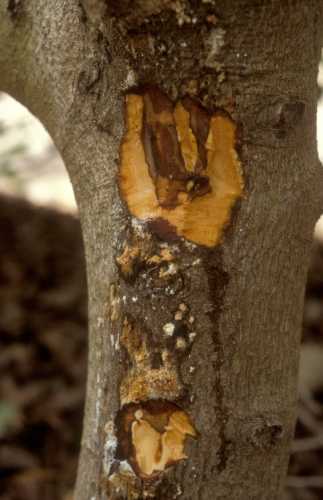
(71, 65)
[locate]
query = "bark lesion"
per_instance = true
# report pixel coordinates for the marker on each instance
(179, 171)
(142, 380)
(152, 435)
(153, 423)
(134, 12)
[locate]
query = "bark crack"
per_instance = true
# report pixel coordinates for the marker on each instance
(14, 7)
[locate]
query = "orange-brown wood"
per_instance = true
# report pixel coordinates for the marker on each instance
(193, 201)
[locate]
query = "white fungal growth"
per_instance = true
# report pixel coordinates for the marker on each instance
(178, 316)
(110, 447)
(125, 467)
(180, 343)
(117, 344)
(169, 329)
(112, 340)
(169, 271)
(172, 268)
(100, 322)
(183, 307)
(139, 227)
(97, 413)
(131, 79)
(98, 402)
(213, 45)
(192, 336)
(179, 491)
(115, 341)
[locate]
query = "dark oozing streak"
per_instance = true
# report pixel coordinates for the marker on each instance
(163, 229)
(200, 125)
(162, 149)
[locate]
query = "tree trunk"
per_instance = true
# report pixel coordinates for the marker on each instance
(188, 130)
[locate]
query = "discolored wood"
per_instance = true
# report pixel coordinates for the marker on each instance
(188, 177)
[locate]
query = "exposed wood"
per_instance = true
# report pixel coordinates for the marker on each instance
(179, 167)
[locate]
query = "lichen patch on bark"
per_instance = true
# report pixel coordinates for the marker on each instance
(179, 169)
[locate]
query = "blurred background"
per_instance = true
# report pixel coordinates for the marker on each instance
(43, 324)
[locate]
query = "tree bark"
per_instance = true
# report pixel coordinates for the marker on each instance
(195, 313)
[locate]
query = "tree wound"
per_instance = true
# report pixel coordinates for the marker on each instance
(179, 167)
(152, 436)
(142, 381)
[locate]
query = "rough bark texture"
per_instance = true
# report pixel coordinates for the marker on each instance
(216, 333)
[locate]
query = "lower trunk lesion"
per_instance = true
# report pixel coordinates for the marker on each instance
(179, 177)
(150, 437)
(149, 433)
(152, 336)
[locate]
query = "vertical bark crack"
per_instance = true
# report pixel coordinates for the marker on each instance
(14, 7)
